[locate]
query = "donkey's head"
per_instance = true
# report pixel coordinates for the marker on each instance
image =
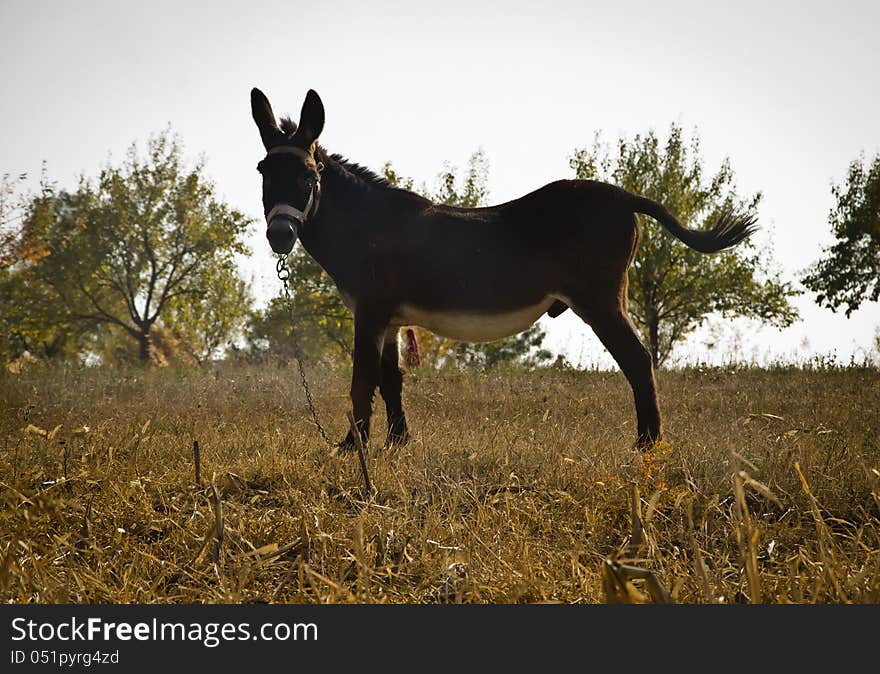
(291, 175)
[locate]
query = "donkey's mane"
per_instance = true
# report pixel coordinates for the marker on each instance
(362, 173)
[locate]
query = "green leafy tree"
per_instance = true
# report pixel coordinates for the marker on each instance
(524, 348)
(203, 328)
(31, 322)
(147, 246)
(31, 319)
(395, 179)
(467, 191)
(11, 220)
(849, 274)
(672, 288)
(324, 325)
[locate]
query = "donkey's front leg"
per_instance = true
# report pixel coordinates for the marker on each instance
(369, 333)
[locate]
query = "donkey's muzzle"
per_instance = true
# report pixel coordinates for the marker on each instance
(282, 233)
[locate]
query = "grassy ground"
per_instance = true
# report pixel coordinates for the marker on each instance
(517, 487)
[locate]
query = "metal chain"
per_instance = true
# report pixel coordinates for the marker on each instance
(284, 276)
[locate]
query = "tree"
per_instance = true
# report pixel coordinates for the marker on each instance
(470, 191)
(524, 348)
(31, 322)
(202, 328)
(323, 324)
(850, 271)
(148, 245)
(672, 288)
(11, 220)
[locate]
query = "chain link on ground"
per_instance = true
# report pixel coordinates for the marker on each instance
(284, 276)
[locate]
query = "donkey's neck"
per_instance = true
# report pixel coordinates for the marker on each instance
(348, 195)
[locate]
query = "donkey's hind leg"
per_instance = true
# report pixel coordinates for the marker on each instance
(391, 387)
(615, 330)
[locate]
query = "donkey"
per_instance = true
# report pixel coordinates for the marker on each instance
(470, 274)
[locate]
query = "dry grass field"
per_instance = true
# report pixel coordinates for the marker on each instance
(517, 487)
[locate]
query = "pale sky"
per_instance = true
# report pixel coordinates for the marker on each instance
(787, 90)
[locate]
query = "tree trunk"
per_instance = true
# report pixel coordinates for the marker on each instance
(654, 340)
(55, 347)
(144, 346)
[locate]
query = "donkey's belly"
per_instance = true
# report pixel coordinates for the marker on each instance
(470, 326)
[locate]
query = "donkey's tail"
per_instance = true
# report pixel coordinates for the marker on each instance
(730, 229)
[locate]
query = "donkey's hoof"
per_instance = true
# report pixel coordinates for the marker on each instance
(345, 446)
(646, 442)
(397, 439)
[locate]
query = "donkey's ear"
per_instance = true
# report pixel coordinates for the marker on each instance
(311, 119)
(265, 119)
